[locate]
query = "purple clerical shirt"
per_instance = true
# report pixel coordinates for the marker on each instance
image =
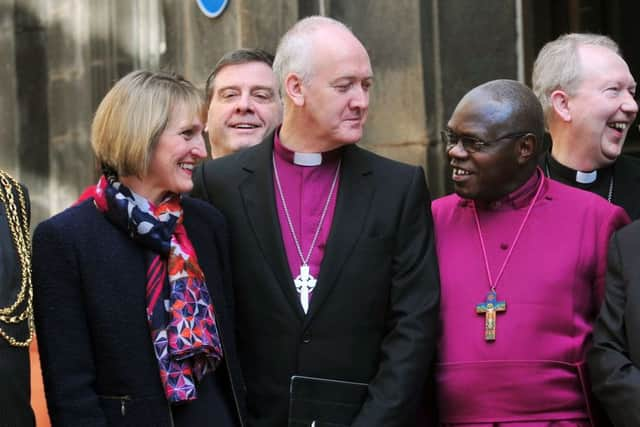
(305, 189)
(533, 374)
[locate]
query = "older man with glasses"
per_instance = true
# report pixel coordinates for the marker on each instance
(522, 262)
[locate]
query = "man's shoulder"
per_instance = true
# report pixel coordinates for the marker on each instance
(630, 233)
(389, 174)
(197, 210)
(379, 161)
(561, 191)
(235, 163)
(628, 166)
(444, 208)
(226, 162)
(446, 202)
(628, 159)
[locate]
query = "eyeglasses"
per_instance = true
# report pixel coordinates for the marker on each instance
(472, 144)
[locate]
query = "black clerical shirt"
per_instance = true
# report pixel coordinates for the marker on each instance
(619, 183)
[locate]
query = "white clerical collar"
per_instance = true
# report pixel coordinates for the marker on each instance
(307, 159)
(586, 177)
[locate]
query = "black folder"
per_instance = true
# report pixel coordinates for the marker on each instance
(323, 402)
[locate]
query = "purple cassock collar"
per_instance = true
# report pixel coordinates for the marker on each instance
(517, 199)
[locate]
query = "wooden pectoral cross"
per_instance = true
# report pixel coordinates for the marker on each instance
(489, 308)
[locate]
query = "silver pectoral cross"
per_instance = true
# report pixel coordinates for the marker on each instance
(305, 283)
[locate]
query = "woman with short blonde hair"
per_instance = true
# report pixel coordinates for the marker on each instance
(133, 302)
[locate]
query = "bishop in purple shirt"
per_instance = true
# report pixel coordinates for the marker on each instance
(333, 254)
(522, 266)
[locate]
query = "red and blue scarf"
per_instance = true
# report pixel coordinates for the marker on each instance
(179, 308)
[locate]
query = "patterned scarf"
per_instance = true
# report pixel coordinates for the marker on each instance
(181, 315)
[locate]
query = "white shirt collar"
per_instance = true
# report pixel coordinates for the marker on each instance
(307, 159)
(586, 177)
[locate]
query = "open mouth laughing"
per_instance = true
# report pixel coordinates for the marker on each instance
(619, 126)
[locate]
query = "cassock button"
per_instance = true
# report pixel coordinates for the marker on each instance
(306, 338)
(504, 246)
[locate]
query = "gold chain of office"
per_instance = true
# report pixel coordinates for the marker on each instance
(19, 229)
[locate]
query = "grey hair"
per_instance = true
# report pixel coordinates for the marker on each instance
(295, 49)
(558, 65)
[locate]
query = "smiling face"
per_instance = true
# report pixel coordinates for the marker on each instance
(603, 106)
(493, 172)
(336, 97)
(244, 108)
(179, 147)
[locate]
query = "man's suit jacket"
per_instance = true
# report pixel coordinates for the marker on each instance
(614, 360)
(373, 314)
(626, 192)
(15, 392)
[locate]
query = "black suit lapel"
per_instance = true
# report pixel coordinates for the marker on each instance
(259, 203)
(354, 201)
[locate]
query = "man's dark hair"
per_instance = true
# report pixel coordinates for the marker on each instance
(235, 57)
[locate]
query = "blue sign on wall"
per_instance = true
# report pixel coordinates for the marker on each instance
(212, 8)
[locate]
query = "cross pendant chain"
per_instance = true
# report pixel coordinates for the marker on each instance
(490, 307)
(305, 283)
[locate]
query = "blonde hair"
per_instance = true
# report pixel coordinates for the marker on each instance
(558, 65)
(133, 115)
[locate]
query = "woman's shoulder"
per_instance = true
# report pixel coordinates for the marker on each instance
(72, 220)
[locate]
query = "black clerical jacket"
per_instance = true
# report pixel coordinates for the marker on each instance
(625, 186)
(614, 360)
(373, 314)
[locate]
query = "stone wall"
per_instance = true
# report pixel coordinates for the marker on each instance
(61, 56)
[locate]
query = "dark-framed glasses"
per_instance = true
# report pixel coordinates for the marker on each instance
(472, 144)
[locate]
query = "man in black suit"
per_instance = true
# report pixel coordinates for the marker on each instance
(333, 257)
(614, 360)
(16, 321)
(587, 93)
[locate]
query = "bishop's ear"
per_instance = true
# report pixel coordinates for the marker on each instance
(527, 148)
(560, 104)
(293, 86)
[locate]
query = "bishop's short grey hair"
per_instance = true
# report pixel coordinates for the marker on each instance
(558, 65)
(295, 50)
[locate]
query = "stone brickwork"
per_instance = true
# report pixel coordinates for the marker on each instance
(61, 56)
(9, 135)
